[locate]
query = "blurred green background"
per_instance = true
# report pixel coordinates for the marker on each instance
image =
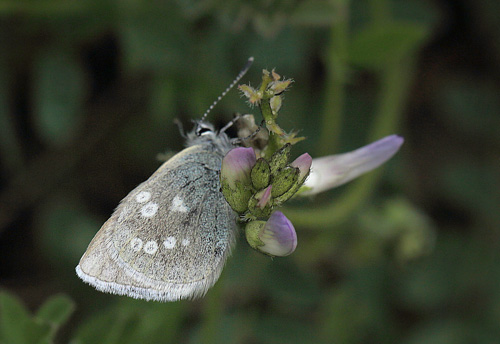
(406, 254)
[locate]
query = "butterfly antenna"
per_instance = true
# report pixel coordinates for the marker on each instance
(235, 81)
(240, 140)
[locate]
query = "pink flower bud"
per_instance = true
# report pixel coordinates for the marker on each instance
(264, 197)
(303, 163)
(237, 165)
(278, 236)
(235, 180)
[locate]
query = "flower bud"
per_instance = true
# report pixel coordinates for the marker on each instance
(235, 177)
(303, 163)
(275, 75)
(260, 204)
(279, 87)
(276, 237)
(247, 129)
(264, 197)
(253, 95)
(275, 104)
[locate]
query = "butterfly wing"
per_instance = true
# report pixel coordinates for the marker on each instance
(169, 238)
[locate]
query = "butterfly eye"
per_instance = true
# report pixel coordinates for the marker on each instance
(203, 130)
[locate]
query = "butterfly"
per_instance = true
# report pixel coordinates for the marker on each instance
(169, 238)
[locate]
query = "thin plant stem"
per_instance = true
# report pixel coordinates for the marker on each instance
(212, 313)
(380, 11)
(10, 147)
(336, 74)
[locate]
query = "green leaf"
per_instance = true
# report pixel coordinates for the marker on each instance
(133, 321)
(105, 327)
(56, 310)
(59, 88)
(157, 322)
(16, 324)
(376, 47)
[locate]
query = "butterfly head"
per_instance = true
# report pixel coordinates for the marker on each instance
(204, 133)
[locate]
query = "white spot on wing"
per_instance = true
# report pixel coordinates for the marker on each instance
(143, 196)
(169, 243)
(178, 205)
(185, 242)
(149, 209)
(151, 247)
(136, 244)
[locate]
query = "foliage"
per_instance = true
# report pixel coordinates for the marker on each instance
(407, 254)
(18, 326)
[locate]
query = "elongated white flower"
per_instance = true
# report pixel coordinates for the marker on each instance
(334, 170)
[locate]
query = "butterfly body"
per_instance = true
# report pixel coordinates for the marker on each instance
(170, 237)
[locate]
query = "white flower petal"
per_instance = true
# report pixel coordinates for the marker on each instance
(334, 170)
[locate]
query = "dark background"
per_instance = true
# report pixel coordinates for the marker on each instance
(408, 254)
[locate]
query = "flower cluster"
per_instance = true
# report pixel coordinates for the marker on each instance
(255, 187)
(255, 180)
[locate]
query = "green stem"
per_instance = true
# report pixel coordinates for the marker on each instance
(395, 85)
(10, 146)
(336, 74)
(275, 132)
(273, 145)
(380, 12)
(212, 314)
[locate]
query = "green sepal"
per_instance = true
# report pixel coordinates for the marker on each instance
(283, 180)
(280, 158)
(279, 87)
(252, 231)
(236, 197)
(261, 174)
(291, 192)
